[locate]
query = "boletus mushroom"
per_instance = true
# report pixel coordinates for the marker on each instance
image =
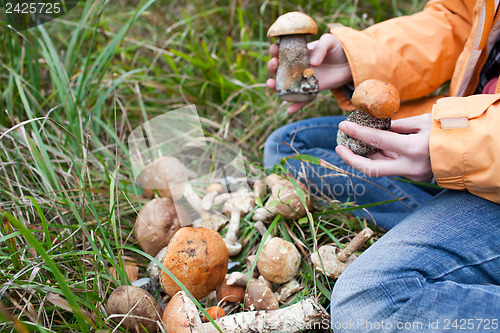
(295, 80)
(375, 102)
(260, 297)
(279, 261)
(157, 222)
(284, 200)
(198, 257)
(134, 308)
(230, 293)
(165, 175)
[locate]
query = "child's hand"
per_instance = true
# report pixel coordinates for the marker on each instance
(328, 61)
(404, 149)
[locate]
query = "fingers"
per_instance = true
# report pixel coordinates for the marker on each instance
(273, 49)
(372, 168)
(386, 140)
(272, 65)
(295, 107)
(271, 84)
(320, 48)
(410, 124)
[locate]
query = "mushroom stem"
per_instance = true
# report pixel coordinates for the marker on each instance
(293, 58)
(234, 225)
(195, 201)
(237, 279)
(307, 314)
(358, 241)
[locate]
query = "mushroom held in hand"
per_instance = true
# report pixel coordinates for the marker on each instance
(198, 257)
(279, 261)
(157, 222)
(136, 307)
(167, 175)
(375, 102)
(295, 81)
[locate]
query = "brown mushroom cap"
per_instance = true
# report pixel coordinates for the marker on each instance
(230, 293)
(260, 297)
(293, 23)
(283, 190)
(376, 98)
(198, 257)
(279, 261)
(124, 298)
(167, 175)
(157, 222)
(181, 315)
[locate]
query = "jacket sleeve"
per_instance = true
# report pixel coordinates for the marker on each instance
(416, 53)
(465, 144)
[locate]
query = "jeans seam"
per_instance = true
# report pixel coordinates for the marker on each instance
(462, 267)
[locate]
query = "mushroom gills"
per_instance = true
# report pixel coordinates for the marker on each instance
(291, 84)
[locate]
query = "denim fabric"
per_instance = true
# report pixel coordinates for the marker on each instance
(438, 267)
(438, 270)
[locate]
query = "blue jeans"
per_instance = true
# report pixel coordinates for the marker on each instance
(437, 269)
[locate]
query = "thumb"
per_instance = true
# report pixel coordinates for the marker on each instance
(321, 47)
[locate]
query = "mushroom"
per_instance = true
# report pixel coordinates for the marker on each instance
(134, 309)
(167, 175)
(154, 271)
(230, 293)
(241, 202)
(375, 102)
(249, 261)
(215, 312)
(212, 191)
(295, 81)
(181, 316)
(284, 200)
(279, 261)
(237, 279)
(198, 257)
(332, 261)
(131, 270)
(194, 201)
(260, 297)
(157, 222)
(288, 289)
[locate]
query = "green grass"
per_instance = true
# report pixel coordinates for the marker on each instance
(71, 92)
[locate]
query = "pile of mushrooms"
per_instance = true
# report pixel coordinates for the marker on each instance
(198, 257)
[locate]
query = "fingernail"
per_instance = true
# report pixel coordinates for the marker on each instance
(313, 60)
(343, 126)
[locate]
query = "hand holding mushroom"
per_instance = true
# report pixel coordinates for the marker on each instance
(404, 151)
(327, 60)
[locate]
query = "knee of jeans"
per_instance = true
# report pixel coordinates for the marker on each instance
(359, 297)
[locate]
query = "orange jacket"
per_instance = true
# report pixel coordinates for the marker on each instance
(448, 40)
